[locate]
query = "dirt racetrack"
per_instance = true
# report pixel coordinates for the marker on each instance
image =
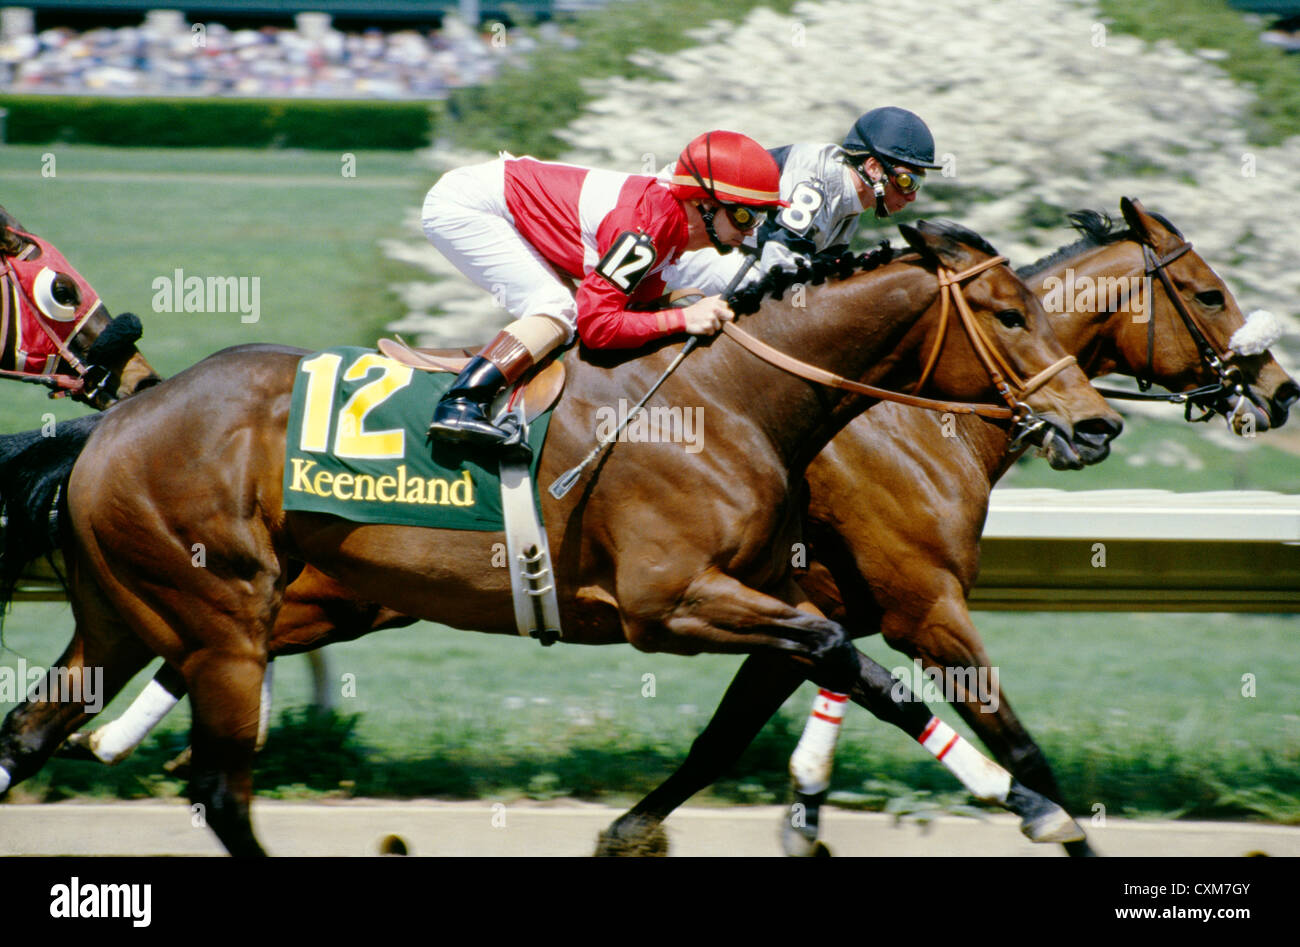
(357, 827)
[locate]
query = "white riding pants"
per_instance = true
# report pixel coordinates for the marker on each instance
(466, 218)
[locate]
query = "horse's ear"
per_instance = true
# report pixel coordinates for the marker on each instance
(935, 245)
(1146, 227)
(917, 241)
(9, 243)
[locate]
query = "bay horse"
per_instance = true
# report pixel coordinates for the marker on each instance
(670, 552)
(897, 509)
(318, 610)
(56, 331)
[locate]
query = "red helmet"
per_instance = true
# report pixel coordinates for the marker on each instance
(730, 168)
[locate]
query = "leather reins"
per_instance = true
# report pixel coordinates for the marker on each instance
(1008, 383)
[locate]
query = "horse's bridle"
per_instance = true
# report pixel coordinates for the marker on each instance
(1008, 383)
(1229, 376)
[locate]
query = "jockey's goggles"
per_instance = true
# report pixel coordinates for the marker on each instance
(907, 182)
(743, 217)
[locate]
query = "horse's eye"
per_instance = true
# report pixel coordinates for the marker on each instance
(1211, 299)
(1012, 318)
(64, 290)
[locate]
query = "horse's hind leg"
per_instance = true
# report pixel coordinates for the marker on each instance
(225, 691)
(317, 611)
(760, 687)
(946, 637)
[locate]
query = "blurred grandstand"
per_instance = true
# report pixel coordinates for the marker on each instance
(396, 49)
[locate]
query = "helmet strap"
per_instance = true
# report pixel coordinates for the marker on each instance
(713, 234)
(886, 169)
(877, 188)
(689, 161)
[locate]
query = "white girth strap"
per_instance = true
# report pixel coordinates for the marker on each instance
(532, 578)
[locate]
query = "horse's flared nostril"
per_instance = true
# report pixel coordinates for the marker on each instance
(1099, 430)
(1279, 406)
(1287, 395)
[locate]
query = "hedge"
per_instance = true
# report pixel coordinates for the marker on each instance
(216, 123)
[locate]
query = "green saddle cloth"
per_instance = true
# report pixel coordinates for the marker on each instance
(357, 447)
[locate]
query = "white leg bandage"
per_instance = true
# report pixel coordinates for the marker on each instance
(264, 710)
(4, 779)
(465, 216)
(114, 741)
(983, 777)
(811, 762)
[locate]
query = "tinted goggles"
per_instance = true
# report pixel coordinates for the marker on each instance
(906, 181)
(743, 217)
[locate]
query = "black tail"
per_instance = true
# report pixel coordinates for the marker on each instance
(34, 470)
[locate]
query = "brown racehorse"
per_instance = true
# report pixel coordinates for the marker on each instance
(938, 494)
(92, 357)
(670, 552)
(318, 610)
(897, 509)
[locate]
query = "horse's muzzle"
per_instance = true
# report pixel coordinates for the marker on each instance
(1072, 449)
(1287, 394)
(1092, 437)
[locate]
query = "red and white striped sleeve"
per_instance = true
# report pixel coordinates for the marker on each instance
(634, 242)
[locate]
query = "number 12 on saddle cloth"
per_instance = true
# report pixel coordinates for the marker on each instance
(357, 448)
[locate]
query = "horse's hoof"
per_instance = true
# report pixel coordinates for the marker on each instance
(797, 845)
(647, 841)
(85, 746)
(1080, 849)
(77, 747)
(800, 827)
(1042, 820)
(1053, 827)
(179, 766)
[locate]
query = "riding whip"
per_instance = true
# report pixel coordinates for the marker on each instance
(565, 481)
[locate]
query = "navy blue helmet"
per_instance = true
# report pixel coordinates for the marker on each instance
(894, 134)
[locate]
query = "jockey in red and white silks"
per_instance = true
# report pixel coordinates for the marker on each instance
(516, 226)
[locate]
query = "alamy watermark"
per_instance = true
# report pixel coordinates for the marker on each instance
(181, 293)
(59, 685)
(950, 684)
(1098, 294)
(80, 900)
(660, 424)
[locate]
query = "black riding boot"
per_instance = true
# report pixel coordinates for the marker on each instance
(461, 414)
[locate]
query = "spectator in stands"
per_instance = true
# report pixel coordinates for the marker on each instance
(270, 61)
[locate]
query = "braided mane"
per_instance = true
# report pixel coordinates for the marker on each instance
(777, 280)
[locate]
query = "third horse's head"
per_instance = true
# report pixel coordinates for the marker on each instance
(55, 325)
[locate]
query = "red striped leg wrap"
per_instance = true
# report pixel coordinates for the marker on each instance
(810, 765)
(983, 777)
